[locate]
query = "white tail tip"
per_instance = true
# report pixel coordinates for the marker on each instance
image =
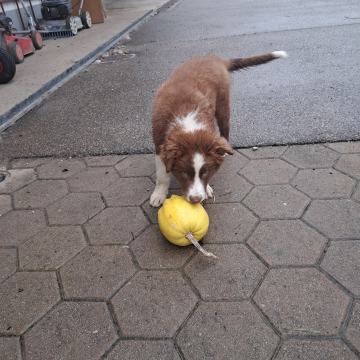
(280, 54)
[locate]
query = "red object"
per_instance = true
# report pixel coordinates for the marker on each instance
(14, 45)
(25, 43)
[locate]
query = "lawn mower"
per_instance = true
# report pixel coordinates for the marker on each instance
(14, 45)
(18, 43)
(59, 21)
(7, 66)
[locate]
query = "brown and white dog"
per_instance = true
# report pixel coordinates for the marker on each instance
(191, 121)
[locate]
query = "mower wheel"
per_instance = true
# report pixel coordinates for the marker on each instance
(7, 66)
(37, 39)
(17, 53)
(86, 19)
(71, 24)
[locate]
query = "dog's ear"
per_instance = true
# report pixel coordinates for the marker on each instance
(222, 147)
(169, 152)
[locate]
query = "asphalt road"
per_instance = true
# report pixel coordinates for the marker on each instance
(312, 96)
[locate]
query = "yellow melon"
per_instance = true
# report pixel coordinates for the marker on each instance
(183, 223)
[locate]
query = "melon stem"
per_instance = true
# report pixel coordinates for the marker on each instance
(191, 238)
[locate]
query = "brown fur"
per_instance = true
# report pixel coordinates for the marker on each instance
(201, 84)
(177, 153)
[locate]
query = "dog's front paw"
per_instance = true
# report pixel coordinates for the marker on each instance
(209, 191)
(157, 198)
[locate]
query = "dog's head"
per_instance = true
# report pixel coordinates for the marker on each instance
(194, 158)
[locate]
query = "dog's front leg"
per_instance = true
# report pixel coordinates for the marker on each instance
(210, 192)
(162, 183)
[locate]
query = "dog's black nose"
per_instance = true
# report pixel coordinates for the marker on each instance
(195, 199)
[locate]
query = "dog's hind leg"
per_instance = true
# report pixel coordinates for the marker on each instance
(162, 183)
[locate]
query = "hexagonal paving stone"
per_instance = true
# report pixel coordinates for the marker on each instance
(342, 261)
(24, 298)
(51, 248)
(106, 160)
(230, 331)
(92, 179)
(137, 165)
(349, 164)
(311, 156)
(116, 225)
(144, 350)
(97, 272)
(40, 193)
(335, 218)
(151, 212)
(287, 242)
(81, 331)
(268, 171)
(229, 188)
(10, 348)
(153, 304)
(302, 302)
(128, 191)
(356, 195)
(276, 201)
(28, 163)
(8, 259)
(173, 182)
(315, 350)
(263, 152)
(323, 183)
(75, 208)
(60, 169)
(153, 251)
(232, 164)
(16, 179)
(345, 147)
(3, 164)
(229, 223)
(353, 330)
(233, 276)
(5, 204)
(18, 225)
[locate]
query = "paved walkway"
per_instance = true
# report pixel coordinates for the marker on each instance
(85, 274)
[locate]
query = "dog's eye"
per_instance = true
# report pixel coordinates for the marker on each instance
(203, 172)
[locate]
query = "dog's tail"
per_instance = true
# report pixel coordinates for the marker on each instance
(242, 63)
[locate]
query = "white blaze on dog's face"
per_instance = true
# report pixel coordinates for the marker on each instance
(194, 158)
(197, 188)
